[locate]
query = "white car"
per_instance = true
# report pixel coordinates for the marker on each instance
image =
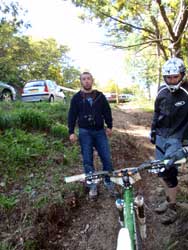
(111, 97)
(126, 97)
(42, 90)
(7, 92)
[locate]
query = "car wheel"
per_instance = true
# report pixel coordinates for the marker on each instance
(6, 95)
(51, 99)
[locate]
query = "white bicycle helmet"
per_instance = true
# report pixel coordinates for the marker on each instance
(174, 66)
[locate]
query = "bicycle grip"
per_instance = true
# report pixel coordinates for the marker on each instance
(74, 178)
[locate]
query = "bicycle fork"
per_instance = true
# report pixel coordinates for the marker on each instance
(120, 205)
(140, 213)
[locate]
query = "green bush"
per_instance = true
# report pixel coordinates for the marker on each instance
(32, 119)
(32, 116)
(60, 130)
(5, 246)
(31, 245)
(7, 202)
(6, 121)
(71, 154)
(19, 148)
(56, 111)
(25, 119)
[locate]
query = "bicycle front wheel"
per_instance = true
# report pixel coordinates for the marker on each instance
(124, 241)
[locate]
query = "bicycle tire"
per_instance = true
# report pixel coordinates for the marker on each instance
(123, 241)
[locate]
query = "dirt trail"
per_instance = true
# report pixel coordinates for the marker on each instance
(137, 148)
(82, 224)
(94, 225)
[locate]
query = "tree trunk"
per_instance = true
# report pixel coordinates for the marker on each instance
(159, 66)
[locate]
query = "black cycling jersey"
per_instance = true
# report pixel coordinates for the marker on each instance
(170, 117)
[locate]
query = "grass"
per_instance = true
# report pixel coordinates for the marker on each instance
(7, 202)
(143, 104)
(5, 246)
(32, 116)
(31, 131)
(59, 130)
(139, 103)
(20, 149)
(35, 154)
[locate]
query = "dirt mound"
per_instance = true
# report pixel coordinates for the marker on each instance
(95, 225)
(82, 224)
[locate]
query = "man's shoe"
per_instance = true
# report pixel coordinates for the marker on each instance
(170, 216)
(162, 207)
(93, 192)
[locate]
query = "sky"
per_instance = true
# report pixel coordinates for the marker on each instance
(59, 19)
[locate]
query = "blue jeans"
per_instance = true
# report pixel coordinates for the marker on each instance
(165, 147)
(90, 139)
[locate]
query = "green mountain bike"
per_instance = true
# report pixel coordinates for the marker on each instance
(130, 207)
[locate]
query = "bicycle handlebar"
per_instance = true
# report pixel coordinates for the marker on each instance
(149, 165)
(83, 177)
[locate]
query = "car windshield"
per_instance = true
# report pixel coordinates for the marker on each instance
(35, 84)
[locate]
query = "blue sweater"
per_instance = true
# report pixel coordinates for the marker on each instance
(89, 114)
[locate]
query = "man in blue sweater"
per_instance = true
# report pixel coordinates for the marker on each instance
(90, 109)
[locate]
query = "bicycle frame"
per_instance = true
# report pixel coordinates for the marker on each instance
(129, 215)
(130, 207)
(129, 210)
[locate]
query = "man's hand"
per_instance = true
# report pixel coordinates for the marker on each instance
(73, 138)
(176, 156)
(109, 132)
(152, 136)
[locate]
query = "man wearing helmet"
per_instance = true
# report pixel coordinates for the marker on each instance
(169, 130)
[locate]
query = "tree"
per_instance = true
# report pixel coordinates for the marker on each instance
(22, 59)
(44, 60)
(11, 42)
(158, 27)
(10, 13)
(71, 76)
(155, 23)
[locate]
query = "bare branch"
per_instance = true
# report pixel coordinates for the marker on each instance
(143, 48)
(163, 49)
(130, 46)
(165, 18)
(159, 36)
(154, 21)
(125, 23)
(182, 19)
